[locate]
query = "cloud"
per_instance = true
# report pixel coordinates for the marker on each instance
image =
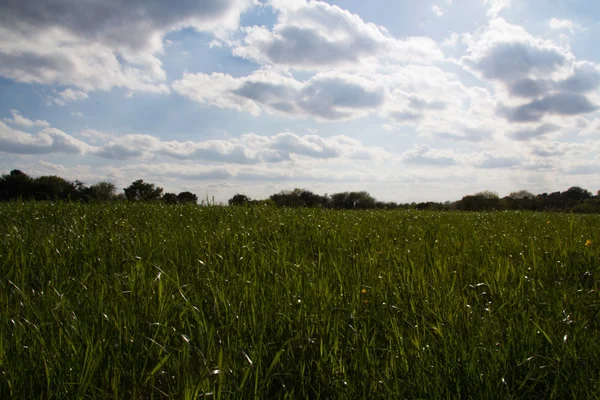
(560, 24)
(423, 154)
(314, 35)
(551, 149)
(95, 44)
(69, 95)
(508, 61)
(248, 149)
(18, 119)
(437, 10)
(496, 6)
(437, 104)
(525, 68)
(48, 140)
(557, 104)
(584, 168)
(526, 134)
(326, 96)
(493, 160)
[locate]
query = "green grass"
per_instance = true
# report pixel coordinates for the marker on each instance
(131, 301)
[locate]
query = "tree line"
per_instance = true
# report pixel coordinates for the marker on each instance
(18, 185)
(575, 199)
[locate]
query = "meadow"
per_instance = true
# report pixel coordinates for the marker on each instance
(148, 301)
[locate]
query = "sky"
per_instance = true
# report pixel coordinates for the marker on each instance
(408, 100)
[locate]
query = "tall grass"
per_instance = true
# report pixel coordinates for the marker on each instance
(131, 301)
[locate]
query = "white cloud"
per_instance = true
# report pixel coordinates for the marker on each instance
(247, 149)
(496, 6)
(423, 154)
(316, 35)
(47, 141)
(437, 10)
(436, 104)
(69, 95)
(18, 119)
(95, 45)
(559, 24)
(326, 96)
(535, 78)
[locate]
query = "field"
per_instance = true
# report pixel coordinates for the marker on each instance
(134, 301)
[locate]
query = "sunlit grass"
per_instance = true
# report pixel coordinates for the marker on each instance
(150, 301)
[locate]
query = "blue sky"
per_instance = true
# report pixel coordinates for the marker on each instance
(411, 101)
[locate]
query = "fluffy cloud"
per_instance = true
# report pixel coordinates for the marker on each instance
(325, 96)
(495, 7)
(18, 119)
(423, 154)
(437, 10)
(314, 35)
(97, 44)
(437, 103)
(537, 71)
(69, 95)
(248, 149)
(558, 24)
(555, 104)
(48, 140)
(530, 133)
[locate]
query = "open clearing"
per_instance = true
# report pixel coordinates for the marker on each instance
(139, 301)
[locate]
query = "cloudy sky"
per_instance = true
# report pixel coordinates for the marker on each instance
(409, 100)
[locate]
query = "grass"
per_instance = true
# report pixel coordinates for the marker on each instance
(132, 301)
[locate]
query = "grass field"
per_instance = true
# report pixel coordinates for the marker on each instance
(133, 301)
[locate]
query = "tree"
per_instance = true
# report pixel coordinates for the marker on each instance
(141, 191)
(486, 200)
(521, 195)
(577, 193)
(187, 197)
(102, 191)
(298, 198)
(239, 200)
(16, 185)
(488, 194)
(519, 200)
(170, 198)
(52, 187)
(350, 200)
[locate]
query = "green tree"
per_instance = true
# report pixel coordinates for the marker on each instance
(577, 193)
(16, 185)
(52, 187)
(142, 191)
(239, 200)
(170, 198)
(187, 197)
(521, 195)
(353, 200)
(102, 191)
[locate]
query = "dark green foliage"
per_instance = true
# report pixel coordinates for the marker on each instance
(239, 200)
(187, 197)
(16, 185)
(142, 191)
(352, 200)
(170, 198)
(102, 191)
(52, 188)
(299, 198)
